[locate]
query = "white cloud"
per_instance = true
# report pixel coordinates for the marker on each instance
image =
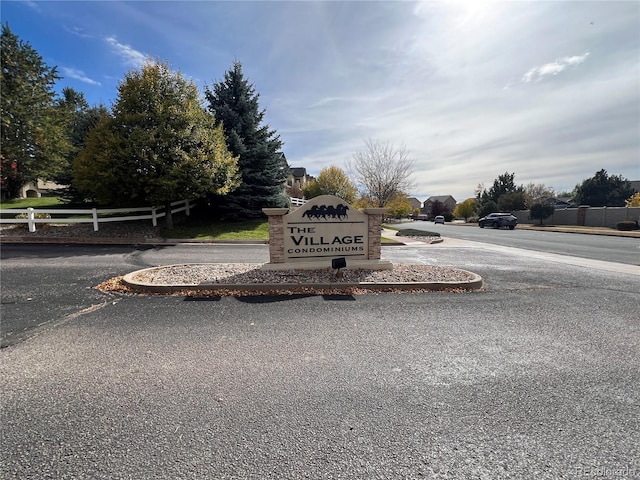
(78, 32)
(553, 68)
(79, 75)
(440, 77)
(130, 55)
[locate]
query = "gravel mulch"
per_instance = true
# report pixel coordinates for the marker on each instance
(243, 279)
(251, 273)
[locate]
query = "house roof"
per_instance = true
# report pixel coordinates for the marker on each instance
(440, 198)
(298, 171)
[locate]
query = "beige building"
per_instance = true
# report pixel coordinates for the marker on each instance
(36, 190)
(415, 203)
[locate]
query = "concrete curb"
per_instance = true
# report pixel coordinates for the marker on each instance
(587, 231)
(475, 283)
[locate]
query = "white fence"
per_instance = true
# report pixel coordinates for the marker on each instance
(93, 215)
(297, 202)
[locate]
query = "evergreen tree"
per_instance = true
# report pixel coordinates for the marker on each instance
(159, 145)
(79, 119)
(603, 190)
(32, 140)
(262, 165)
(503, 186)
(512, 201)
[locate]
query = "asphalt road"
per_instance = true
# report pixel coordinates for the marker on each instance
(598, 247)
(535, 377)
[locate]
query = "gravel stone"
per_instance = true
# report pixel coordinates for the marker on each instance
(251, 273)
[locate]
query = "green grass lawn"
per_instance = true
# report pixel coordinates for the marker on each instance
(42, 202)
(218, 230)
(410, 232)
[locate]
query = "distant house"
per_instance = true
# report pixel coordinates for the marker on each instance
(297, 179)
(415, 203)
(446, 200)
(635, 184)
(40, 188)
(563, 202)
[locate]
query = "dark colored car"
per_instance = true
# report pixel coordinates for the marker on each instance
(498, 220)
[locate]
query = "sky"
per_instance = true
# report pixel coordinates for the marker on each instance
(546, 90)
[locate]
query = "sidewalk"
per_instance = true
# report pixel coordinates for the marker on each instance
(577, 229)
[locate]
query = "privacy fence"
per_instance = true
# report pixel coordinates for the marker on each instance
(34, 216)
(586, 216)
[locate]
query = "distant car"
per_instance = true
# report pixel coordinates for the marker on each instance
(498, 220)
(439, 219)
(421, 217)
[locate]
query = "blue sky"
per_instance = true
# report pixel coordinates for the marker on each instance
(473, 88)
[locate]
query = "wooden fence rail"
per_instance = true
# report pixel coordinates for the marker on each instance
(93, 215)
(297, 202)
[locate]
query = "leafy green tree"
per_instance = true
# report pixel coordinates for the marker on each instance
(487, 207)
(331, 181)
(399, 206)
(159, 145)
(465, 209)
(262, 165)
(603, 190)
(312, 189)
(541, 211)
(510, 202)
(32, 140)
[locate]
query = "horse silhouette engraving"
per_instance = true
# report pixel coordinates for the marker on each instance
(324, 212)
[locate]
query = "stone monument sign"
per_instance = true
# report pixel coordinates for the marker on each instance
(323, 229)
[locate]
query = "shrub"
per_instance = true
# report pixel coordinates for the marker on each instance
(541, 211)
(627, 225)
(410, 232)
(37, 215)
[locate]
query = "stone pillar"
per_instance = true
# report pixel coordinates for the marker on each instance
(375, 231)
(276, 233)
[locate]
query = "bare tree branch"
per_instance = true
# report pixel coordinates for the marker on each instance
(382, 171)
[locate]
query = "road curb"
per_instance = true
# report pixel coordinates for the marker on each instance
(476, 283)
